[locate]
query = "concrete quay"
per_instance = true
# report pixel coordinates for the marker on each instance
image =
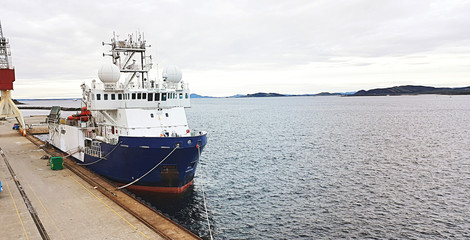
(40, 203)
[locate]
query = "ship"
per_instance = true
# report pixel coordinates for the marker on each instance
(132, 129)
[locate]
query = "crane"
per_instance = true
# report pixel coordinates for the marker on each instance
(7, 77)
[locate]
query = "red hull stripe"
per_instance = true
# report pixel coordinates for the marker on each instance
(160, 189)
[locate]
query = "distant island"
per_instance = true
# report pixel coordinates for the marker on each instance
(193, 95)
(263, 94)
(390, 91)
(413, 90)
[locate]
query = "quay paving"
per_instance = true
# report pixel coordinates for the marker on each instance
(66, 206)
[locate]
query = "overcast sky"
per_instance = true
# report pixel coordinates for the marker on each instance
(238, 47)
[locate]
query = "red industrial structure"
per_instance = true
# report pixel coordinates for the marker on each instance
(7, 77)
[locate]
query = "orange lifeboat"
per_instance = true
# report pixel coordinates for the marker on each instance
(82, 116)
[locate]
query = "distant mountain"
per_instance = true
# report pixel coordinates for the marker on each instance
(327, 94)
(193, 95)
(261, 94)
(347, 93)
(237, 96)
(413, 90)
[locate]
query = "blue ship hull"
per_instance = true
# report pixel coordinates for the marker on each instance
(132, 157)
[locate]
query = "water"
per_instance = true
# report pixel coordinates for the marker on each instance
(336, 167)
(330, 167)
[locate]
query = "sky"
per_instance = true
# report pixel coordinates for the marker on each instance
(229, 47)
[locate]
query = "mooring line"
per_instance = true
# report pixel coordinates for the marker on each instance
(29, 206)
(127, 185)
(101, 158)
(203, 193)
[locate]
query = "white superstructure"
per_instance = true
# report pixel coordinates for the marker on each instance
(126, 101)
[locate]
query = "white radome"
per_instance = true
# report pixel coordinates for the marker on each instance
(172, 74)
(109, 73)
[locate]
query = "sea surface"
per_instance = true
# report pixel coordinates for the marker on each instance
(329, 168)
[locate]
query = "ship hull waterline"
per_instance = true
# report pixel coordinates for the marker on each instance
(132, 157)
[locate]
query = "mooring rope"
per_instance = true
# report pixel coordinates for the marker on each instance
(127, 185)
(203, 193)
(101, 158)
(73, 151)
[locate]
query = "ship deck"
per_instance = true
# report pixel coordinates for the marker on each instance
(40, 203)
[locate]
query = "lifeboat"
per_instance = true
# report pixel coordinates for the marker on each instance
(82, 116)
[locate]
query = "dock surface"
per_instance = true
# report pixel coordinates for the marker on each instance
(61, 204)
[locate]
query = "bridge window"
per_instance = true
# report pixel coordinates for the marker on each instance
(163, 96)
(113, 96)
(144, 95)
(150, 97)
(157, 96)
(186, 95)
(105, 96)
(98, 96)
(139, 95)
(133, 95)
(120, 96)
(181, 96)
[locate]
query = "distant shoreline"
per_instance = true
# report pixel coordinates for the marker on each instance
(390, 91)
(413, 90)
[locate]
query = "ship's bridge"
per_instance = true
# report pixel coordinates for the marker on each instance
(138, 98)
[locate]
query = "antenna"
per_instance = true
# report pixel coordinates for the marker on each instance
(1, 32)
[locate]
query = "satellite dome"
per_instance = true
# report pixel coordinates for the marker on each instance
(172, 74)
(109, 73)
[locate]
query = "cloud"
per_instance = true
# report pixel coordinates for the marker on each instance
(56, 40)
